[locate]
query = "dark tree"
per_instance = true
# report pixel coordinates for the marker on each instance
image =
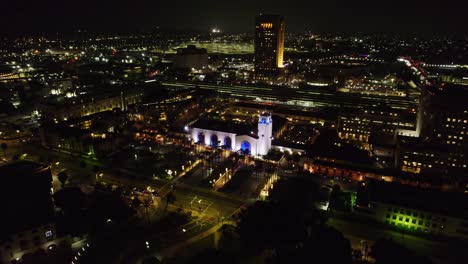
(387, 251)
(170, 198)
(288, 235)
(362, 196)
(267, 225)
(211, 256)
(96, 169)
(70, 199)
(335, 193)
(62, 177)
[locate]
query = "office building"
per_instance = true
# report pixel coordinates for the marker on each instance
(269, 46)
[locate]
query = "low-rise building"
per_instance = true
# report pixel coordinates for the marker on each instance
(417, 210)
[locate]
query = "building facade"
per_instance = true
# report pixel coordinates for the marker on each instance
(269, 46)
(255, 144)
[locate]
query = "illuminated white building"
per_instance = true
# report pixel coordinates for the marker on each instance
(215, 135)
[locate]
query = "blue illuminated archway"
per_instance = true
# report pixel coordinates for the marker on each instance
(214, 141)
(245, 147)
(227, 143)
(201, 138)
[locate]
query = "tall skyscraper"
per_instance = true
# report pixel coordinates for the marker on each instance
(269, 46)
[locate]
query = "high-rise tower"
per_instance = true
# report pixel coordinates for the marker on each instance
(269, 46)
(265, 133)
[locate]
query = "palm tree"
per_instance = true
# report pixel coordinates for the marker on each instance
(62, 177)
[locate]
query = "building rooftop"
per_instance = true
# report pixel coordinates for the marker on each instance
(226, 126)
(443, 203)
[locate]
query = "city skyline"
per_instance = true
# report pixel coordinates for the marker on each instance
(149, 132)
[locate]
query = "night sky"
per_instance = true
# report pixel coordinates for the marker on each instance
(48, 16)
